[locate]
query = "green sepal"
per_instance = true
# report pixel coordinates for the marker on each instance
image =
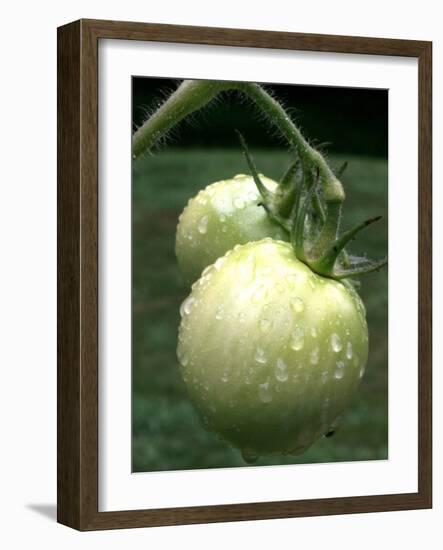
(267, 195)
(329, 230)
(325, 263)
(288, 176)
(287, 189)
(359, 267)
(270, 200)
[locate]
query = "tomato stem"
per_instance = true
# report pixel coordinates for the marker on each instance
(332, 188)
(193, 95)
(189, 97)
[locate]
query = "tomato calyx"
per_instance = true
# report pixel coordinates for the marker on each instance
(311, 216)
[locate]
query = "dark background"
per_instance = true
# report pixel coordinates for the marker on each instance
(322, 113)
(167, 433)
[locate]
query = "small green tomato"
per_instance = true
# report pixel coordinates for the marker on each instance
(220, 216)
(271, 352)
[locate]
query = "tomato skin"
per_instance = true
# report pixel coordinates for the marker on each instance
(220, 216)
(271, 353)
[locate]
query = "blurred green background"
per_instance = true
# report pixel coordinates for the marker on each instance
(166, 431)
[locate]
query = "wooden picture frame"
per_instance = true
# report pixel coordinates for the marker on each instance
(78, 274)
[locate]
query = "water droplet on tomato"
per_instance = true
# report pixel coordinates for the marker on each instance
(260, 356)
(207, 272)
(339, 370)
(298, 339)
(185, 308)
(297, 304)
(181, 356)
(349, 350)
(239, 203)
(265, 325)
(264, 393)
(203, 225)
(218, 264)
(336, 344)
(281, 370)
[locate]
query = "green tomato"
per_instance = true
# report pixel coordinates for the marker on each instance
(222, 215)
(271, 352)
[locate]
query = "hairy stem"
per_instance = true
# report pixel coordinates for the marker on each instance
(193, 95)
(332, 188)
(189, 97)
